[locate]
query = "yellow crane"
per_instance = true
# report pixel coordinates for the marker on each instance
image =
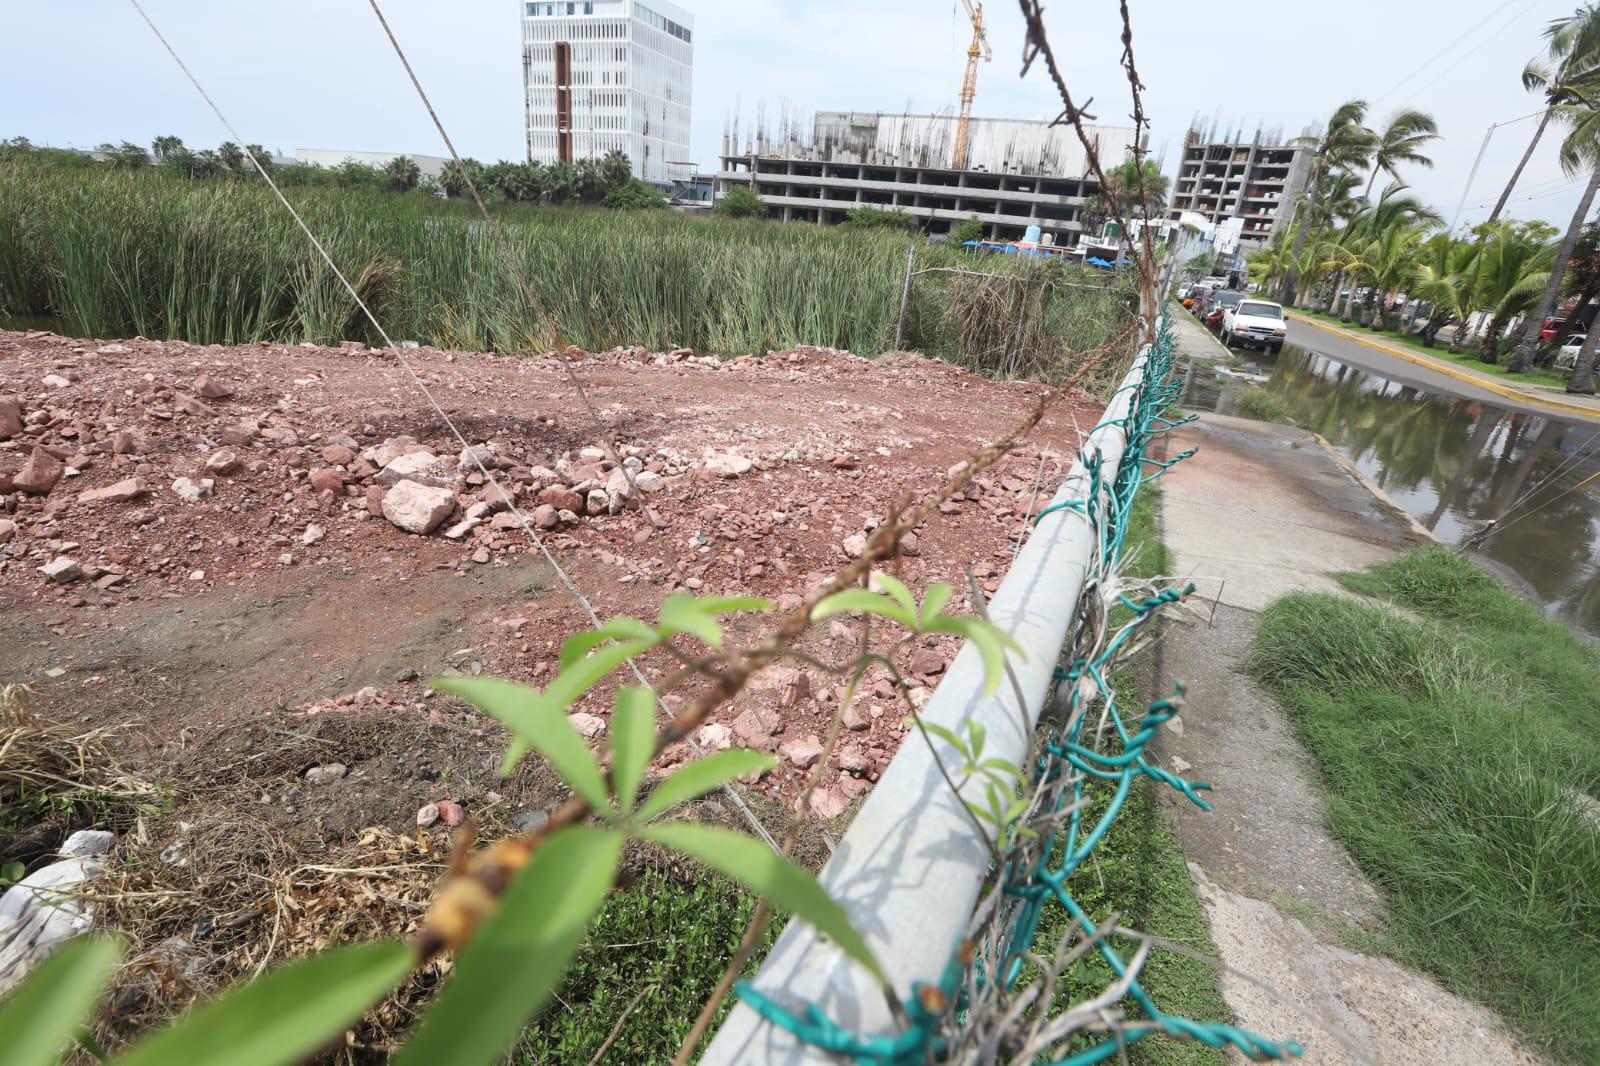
(969, 84)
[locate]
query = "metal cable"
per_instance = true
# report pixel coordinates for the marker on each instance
(416, 380)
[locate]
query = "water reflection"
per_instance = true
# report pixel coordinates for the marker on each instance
(1454, 464)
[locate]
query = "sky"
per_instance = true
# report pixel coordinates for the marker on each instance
(319, 73)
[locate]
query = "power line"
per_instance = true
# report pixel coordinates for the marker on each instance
(1468, 53)
(1420, 67)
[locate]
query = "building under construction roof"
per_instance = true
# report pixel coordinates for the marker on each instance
(1018, 173)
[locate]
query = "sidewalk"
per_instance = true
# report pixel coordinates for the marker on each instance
(1547, 397)
(1259, 510)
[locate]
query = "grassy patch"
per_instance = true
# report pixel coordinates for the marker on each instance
(1454, 751)
(1467, 357)
(660, 942)
(1255, 402)
(1138, 871)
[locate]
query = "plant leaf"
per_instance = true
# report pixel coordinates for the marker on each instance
(867, 602)
(701, 776)
(990, 640)
(540, 724)
(283, 1016)
(633, 742)
(620, 628)
(518, 957)
(897, 591)
(684, 614)
(947, 735)
(733, 604)
(770, 876)
(575, 680)
(977, 734)
(933, 601)
(39, 1017)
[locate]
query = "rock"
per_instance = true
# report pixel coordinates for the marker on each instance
(375, 495)
(193, 491)
(649, 481)
(726, 464)
(337, 455)
(852, 761)
(424, 468)
(714, 736)
(569, 517)
(55, 381)
(113, 349)
(561, 498)
(326, 479)
(462, 528)
(854, 720)
(221, 461)
(854, 544)
(829, 802)
(910, 545)
(326, 773)
(427, 814)
(418, 508)
(61, 570)
(587, 724)
(788, 683)
(312, 535)
(477, 455)
(1181, 766)
(41, 473)
(546, 517)
(10, 417)
(381, 455)
(8, 530)
(122, 492)
(87, 843)
(210, 388)
(531, 821)
(596, 501)
(755, 727)
(802, 753)
(481, 556)
(450, 812)
(926, 661)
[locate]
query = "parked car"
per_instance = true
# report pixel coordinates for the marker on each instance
(1219, 303)
(1254, 324)
(1183, 293)
(1568, 355)
(1551, 329)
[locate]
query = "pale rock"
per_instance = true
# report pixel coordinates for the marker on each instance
(587, 724)
(381, 455)
(854, 544)
(191, 490)
(222, 461)
(790, 684)
(418, 508)
(852, 761)
(475, 456)
(61, 570)
(596, 501)
(337, 454)
(756, 726)
(327, 773)
(8, 530)
(802, 754)
(1181, 766)
(561, 498)
(113, 349)
(726, 464)
(312, 535)
(649, 481)
(715, 736)
(427, 815)
(10, 417)
(122, 492)
(546, 517)
(55, 381)
(462, 528)
(422, 467)
(829, 802)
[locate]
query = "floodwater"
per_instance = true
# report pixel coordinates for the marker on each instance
(1523, 490)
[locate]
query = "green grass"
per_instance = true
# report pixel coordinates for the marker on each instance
(1467, 357)
(661, 942)
(1139, 872)
(1453, 750)
(1255, 402)
(118, 253)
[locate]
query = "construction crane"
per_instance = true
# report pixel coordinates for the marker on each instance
(969, 84)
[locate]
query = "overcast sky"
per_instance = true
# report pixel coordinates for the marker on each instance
(318, 73)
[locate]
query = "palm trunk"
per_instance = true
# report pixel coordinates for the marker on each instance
(1480, 437)
(1458, 336)
(1491, 341)
(1529, 342)
(1538, 132)
(1333, 295)
(1582, 380)
(1349, 301)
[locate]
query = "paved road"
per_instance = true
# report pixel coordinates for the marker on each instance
(1323, 342)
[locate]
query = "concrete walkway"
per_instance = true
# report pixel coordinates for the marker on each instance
(1261, 510)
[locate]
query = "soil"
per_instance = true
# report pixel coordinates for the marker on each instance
(226, 632)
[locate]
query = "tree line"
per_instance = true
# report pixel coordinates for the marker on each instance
(1339, 241)
(607, 180)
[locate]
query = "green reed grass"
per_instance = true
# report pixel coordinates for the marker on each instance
(119, 253)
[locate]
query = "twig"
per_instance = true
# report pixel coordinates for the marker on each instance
(616, 1030)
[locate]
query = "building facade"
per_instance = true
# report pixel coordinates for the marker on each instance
(608, 75)
(1247, 180)
(1018, 173)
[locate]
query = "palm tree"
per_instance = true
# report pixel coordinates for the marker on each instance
(1401, 142)
(1513, 269)
(1345, 144)
(403, 173)
(1441, 275)
(1574, 54)
(1580, 150)
(1360, 246)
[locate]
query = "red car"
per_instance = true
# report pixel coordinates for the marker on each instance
(1220, 302)
(1551, 329)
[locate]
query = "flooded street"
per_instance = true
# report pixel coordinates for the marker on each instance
(1522, 490)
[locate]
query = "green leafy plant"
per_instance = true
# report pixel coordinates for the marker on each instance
(740, 202)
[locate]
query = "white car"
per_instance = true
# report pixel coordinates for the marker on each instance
(1254, 324)
(1568, 355)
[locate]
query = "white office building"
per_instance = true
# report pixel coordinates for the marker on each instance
(604, 75)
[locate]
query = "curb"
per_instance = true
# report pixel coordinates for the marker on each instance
(1371, 486)
(1465, 376)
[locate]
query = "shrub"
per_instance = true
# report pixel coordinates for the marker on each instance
(968, 229)
(740, 202)
(633, 195)
(1263, 406)
(864, 217)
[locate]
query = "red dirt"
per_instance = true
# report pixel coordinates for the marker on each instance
(201, 630)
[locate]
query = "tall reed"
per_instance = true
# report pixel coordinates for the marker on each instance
(215, 261)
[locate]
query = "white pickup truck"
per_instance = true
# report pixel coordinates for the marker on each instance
(1254, 323)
